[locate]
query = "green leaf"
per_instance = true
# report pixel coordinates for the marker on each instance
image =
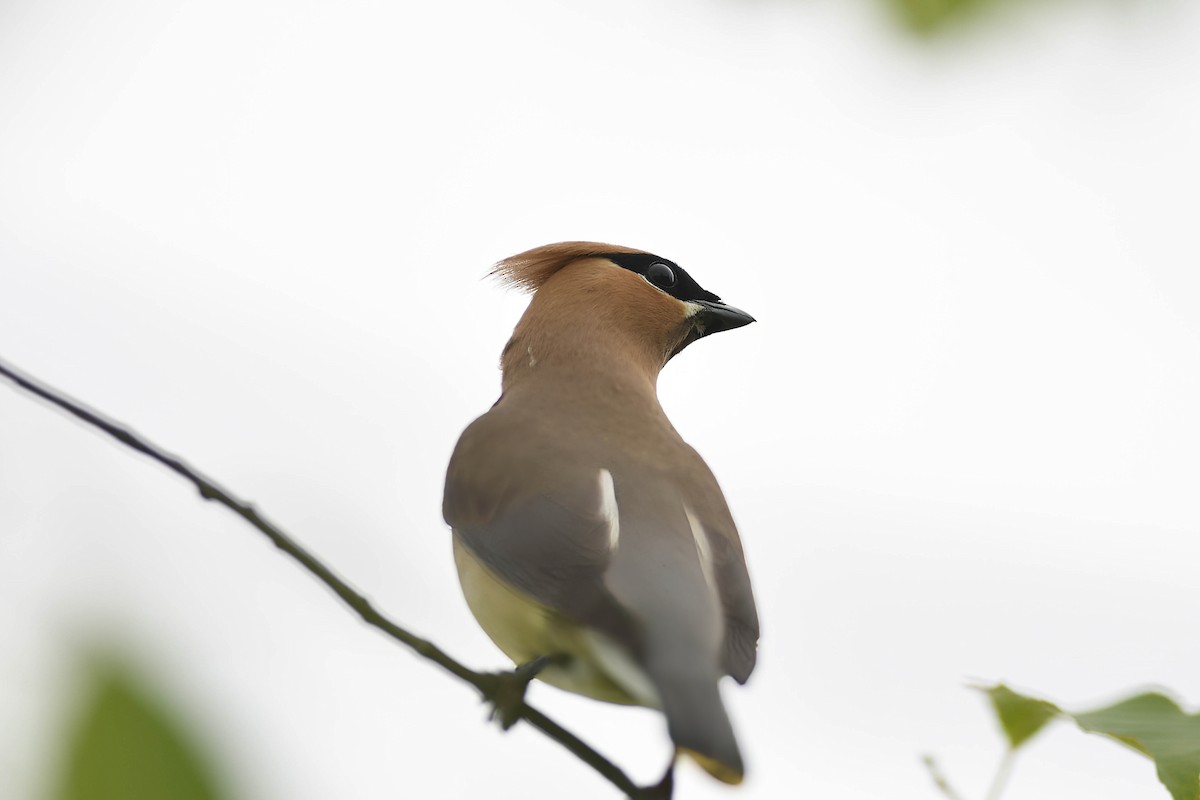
(1155, 725)
(126, 746)
(1020, 717)
(930, 16)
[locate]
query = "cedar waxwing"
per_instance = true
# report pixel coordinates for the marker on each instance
(587, 534)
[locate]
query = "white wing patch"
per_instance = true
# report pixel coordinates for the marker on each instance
(703, 550)
(608, 509)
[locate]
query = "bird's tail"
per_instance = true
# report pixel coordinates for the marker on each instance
(698, 723)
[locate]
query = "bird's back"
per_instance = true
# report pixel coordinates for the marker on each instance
(585, 526)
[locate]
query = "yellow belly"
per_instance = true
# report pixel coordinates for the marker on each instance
(525, 630)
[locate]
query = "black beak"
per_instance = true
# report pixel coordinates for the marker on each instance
(716, 316)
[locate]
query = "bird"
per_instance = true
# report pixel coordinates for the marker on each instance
(593, 544)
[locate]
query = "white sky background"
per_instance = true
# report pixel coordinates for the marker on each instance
(961, 442)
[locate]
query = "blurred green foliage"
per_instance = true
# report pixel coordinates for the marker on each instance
(932, 16)
(125, 745)
(1151, 723)
(1020, 717)
(1155, 725)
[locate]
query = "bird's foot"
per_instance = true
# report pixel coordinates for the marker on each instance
(506, 690)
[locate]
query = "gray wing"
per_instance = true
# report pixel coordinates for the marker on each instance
(704, 495)
(553, 547)
(614, 551)
(741, 614)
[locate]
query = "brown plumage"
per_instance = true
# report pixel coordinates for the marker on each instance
(529, 270)
(585, 527)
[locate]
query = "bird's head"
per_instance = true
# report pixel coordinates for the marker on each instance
(587, 294)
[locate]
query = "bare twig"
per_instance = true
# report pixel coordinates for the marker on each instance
(1000, 779)
(485, 683)
(939, 778)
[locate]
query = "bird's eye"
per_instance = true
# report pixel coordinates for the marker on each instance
(661, 275)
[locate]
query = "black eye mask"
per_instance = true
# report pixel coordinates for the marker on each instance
(666, 275)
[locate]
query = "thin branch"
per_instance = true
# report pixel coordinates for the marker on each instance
(485, 683)
(1000, 779)
(939, 778)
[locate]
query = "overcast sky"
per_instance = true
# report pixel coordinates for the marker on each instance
(961, 442)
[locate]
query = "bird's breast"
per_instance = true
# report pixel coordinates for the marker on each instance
(525, 630)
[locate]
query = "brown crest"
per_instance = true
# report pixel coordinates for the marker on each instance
(529, 270)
